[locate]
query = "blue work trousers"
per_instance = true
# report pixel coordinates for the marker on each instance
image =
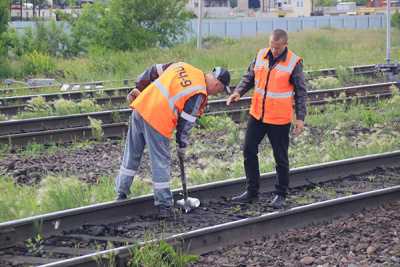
(141, 133)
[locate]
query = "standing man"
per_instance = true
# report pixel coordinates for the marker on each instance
(277, 75)
(166, 97)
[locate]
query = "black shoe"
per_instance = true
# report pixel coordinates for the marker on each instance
(165, 212)
(121, 196)
(278, 202)
(246, 197)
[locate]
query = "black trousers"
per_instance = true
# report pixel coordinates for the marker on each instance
(278, 136)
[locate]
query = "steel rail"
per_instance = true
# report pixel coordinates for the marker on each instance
(72, 84)
(211, 238)
(10, 129)
(66, 133)
(11, 110)
(120, 100)
(77, 95)
(361, 69)
(13, 104)
(17, 231)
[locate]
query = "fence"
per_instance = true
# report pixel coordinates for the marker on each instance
(248, 27)
(237, 28)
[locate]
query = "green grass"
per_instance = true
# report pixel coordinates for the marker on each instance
(56, 193)
(159, 254)
(319, 49)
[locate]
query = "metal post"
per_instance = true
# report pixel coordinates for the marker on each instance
(388, 26)
(20, 9)
(199, 32)
(33, 8)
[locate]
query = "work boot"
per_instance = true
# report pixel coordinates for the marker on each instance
(165, 212)
(278, 202)
(121, 196)
(246, 197)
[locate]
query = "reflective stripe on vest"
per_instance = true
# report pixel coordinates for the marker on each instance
(273, 94)
(179, 95)
(289, 68)
(272, 99)
(162, 101)
(259, 61)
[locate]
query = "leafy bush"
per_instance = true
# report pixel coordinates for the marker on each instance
(6, 69)
(37, 63)
(65, 107)
(47, 37)
(4, 17)
(97, 130)
(130, 24)
(370, 117)
(396, 19)
(37, 104)
(88, 105)
(325, 83)
(159, 254)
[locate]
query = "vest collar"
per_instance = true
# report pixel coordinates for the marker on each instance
(281, 57)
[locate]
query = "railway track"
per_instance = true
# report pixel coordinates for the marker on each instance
(64, 129)
(12, 105)
(78, 232)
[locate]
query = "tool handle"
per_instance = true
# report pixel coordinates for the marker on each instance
(183, 176)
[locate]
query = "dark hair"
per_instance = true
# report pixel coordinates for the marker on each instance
(279, 34)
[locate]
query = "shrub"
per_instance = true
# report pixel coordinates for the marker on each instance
(37, 63)
(4, 15)
(5, 67)
(325, 83)
(159, 254)
(65, 107)
(47, 38)
(88, 105)
(396, 19)
(97, 130)
(130, 24)
(37, 104)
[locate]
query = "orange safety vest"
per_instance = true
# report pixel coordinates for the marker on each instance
(273, 93)
(161, 102)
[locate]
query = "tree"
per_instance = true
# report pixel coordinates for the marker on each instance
(129, 24)
(321, 3)
(361, 2)
(4, 15)
(396, 19)
(4, 18)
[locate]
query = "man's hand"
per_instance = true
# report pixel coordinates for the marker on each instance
(132, 95)
(181, 152)
(233, 98)
(298, 127)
